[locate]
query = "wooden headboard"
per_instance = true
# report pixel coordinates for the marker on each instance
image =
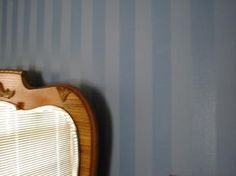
(16, 90)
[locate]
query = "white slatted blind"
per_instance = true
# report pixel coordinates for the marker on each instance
(37, 142)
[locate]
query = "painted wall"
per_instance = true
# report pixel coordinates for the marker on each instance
(165, 68)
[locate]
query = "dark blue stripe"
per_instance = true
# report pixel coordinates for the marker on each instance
(161, 87)
(225, 44)
(202, 13)
(56, 27)
(75, 26)
(99, 43)
(14, 26)
(4, 28)
(40, 23)
(99, 77)
(127, 17)
(26, 24)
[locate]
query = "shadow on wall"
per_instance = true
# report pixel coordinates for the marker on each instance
(103, 117)
(34, 78)
(102, 114)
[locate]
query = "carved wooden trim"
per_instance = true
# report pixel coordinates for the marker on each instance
(63, 92)
(6, 93)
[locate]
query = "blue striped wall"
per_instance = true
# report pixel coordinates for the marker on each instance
(165, 68)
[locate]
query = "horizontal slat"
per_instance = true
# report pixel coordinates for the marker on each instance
(41, 141)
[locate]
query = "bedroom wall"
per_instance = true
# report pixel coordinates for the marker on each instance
(165, 68)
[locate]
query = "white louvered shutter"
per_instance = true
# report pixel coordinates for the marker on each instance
(37, 142)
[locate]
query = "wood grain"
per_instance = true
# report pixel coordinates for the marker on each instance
(61, 95)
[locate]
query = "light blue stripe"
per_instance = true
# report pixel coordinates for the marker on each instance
(56, 26)
(26, 24)
(75, 26)
(161, 87)
(127, 13)
(203, 65)
(40, 23)
(99, 43)
(14, 27)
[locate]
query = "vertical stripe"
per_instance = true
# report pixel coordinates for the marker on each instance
(48, 24)
(14, 33)
(65, 54)
(26, 24)
(50, 33)
(143, 88)
(4, 29)
(20, 30)
(98, 61)
(99, 43)
(204, 88)
(33, 26)
(127, 12)
(225, 52)
(65, 28)
(75, 26)
(1, 24)
(86, 39)
(40, 23)
(9, 32)
(181, 92)
(14, 27)
(75, 38)
(112, 81)
(161, 87)
(56, 28)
